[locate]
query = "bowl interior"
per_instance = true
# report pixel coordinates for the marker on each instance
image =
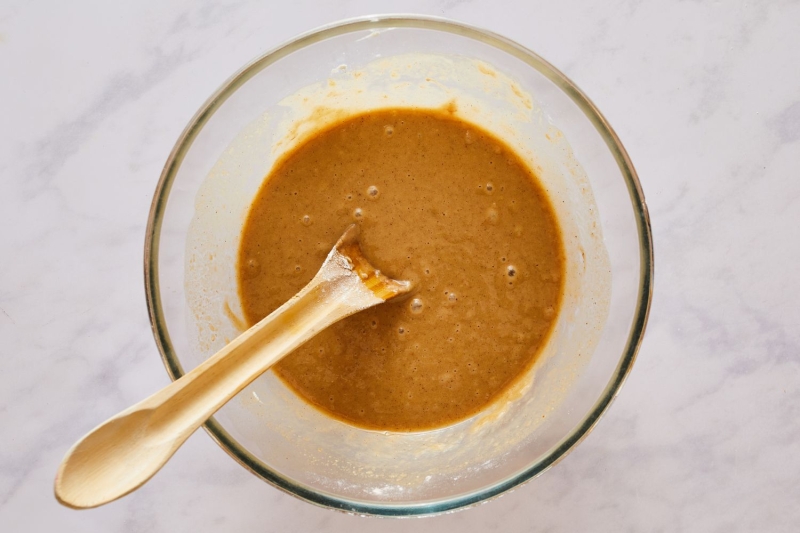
(266, 109)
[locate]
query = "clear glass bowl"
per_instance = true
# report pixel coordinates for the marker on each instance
(216, 167)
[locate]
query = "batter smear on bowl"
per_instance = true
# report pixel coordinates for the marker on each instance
(441, 202)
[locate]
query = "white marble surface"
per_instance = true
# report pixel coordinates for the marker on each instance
(706, 97)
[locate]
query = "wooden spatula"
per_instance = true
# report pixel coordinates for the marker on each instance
(121, 454)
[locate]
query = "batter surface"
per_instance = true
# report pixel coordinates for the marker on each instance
(441, 203)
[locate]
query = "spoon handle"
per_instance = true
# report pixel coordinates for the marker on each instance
(124, 452)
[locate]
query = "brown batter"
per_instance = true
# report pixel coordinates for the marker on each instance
(440, 202)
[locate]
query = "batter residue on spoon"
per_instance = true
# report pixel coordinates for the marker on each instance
(442, 203)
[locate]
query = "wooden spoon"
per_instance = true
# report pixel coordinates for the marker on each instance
(121, 454)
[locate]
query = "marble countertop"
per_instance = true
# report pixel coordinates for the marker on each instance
(705, 96)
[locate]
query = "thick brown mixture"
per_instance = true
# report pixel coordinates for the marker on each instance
(440, 202)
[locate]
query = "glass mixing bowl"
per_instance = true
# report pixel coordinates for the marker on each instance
(228, 148)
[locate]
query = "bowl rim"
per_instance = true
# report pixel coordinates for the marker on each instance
(371, 22)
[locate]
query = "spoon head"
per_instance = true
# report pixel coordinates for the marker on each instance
(112, 460)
